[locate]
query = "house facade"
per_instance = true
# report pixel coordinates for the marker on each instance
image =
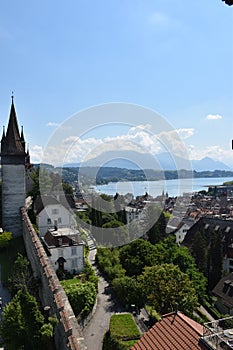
(223, 291)
(65, 249)
(54, 211)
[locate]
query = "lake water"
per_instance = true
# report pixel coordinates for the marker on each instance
(174, 188)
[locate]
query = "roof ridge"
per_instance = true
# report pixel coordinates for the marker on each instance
(196, 326)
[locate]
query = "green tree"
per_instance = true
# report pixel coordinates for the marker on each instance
(215, 259)
(20, 275)
(119, 205)
(136, 255)
(82, 297)
(12, 325)
(109, 263)
(157, 224)
(22, 324)
(166, 286)
(199, 251)
(33, 318)
(128, 291)
(5, 239)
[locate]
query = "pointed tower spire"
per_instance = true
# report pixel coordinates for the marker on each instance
(13, 157)
(3, 132)
(22, 138)
(13, 143)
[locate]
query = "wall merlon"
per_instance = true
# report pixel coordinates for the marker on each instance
(48, 271)
(44, 261)
(59, 300)
(53, 284)
(74, 342)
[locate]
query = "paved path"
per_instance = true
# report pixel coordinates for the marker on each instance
(99, 323)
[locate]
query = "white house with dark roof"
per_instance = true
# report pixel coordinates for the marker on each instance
(65, 249)
(54, 211)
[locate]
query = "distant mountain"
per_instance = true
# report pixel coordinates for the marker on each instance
(164, 161)
(210, 164)
(124, 159)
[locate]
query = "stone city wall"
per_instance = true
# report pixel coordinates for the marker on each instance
(67, 334)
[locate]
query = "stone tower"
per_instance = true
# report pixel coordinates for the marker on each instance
(13, 159)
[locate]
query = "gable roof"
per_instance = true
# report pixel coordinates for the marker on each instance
(62, 237)
(224, 290)
(66, 200)
(209, 225)
(174, 331)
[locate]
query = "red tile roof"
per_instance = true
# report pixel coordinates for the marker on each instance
(174, 331)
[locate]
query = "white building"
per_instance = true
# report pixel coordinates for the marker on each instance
(65, 249)
(133, 214)
(182, 229)
(54, 211)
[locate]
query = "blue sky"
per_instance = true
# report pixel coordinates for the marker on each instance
(171, 56)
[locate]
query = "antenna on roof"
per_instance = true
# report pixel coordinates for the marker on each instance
(12, 96)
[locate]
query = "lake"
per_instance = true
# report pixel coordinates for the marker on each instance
(155, 188)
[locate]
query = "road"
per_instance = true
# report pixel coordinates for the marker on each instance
(106, 307)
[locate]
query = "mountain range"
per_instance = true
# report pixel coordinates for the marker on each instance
(164, 161)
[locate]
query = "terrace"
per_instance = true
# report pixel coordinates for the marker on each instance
(218, 335)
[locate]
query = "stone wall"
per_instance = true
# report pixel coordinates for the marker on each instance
(13, 197)
(68, 335)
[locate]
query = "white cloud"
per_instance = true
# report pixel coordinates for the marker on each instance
(214, 152)
(52, 124)
(213, 117)
(36, 153)
(173, 141)
(185, 133)
(139, 139)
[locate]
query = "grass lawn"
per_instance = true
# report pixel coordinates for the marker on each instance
(123, 326)
(8, 256)
(129, 343)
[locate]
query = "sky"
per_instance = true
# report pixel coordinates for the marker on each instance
(174, 57)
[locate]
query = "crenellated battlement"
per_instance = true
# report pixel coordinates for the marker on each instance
(68, 334)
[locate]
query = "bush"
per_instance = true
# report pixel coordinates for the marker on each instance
(81, 296)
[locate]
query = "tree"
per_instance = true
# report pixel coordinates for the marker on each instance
(5, 238)
(215, 259)
(23, 325)
(157, 223)
(82, 297)
(119, 205)
(136, 255)
(128, 291)
(166, 286)
(33, 318)
(199, 251)
(12, 324)
(20, 275)
(109, 263)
